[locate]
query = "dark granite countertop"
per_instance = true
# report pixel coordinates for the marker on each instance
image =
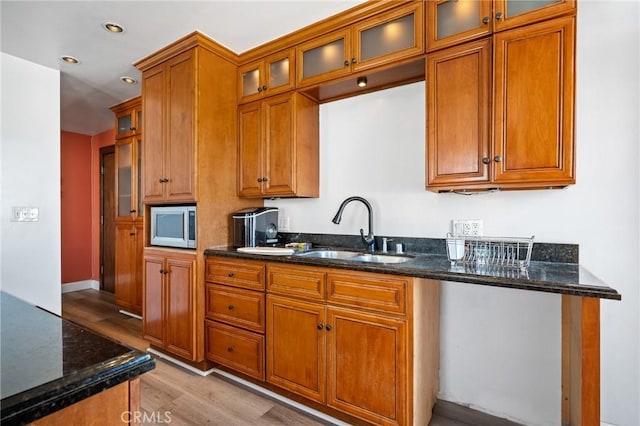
(48, 363)
(546, 276)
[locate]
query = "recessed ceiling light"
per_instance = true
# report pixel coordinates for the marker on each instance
(129, 80)
(112, 28)
(70, 59)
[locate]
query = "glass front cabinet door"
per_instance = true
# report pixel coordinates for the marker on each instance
(128, 122)
(128, 159)
(266, 77)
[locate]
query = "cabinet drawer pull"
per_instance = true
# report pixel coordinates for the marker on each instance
(230, 307)
(328, 327)
(230, 274)
(131, 234)
(164, 180)
(230, 349)
(320, 326)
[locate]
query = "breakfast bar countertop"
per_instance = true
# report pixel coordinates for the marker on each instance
(545, 276)
(48, 363)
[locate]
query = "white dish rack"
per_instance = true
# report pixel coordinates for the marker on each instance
(507, 252)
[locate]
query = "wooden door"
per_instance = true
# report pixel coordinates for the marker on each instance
(180, 307)
(125, 265)
(153, 89)
(153, 306)
(107, 219)
(367, 366)
(136, 293)
(458, 114)
(324, 58)
(515, 13)
(296, 337)
(279, 145)
(180, 136)
(451, 22)
(534, 103)
(250, 150)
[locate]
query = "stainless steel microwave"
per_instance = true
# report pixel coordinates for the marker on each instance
(173, 226)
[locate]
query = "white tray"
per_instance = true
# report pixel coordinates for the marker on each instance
(273, 251)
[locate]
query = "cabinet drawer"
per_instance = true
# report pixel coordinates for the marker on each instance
(384, 293)
(246, 273)
(243, 308)
(298, 281)
(235, 348)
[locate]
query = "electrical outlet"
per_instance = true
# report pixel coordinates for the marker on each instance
(24, 214)
(471, 227)
(283, 223)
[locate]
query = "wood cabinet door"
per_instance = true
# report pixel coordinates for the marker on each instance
(279, 72)
(153, 306)
(388, 37)
(251, 81)
(515, 13)
(180, 314)
(458, 114)
(136, 293)
(451, 22)
(180, 137)
(296, 336)
(324, 58)
(250, 147)
(125, 265)
(367, 366)
(153, 87)
(534, 103)
(279, 145)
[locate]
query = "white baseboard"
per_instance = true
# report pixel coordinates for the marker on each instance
(80, 285)
(180, 363)
(131, 314)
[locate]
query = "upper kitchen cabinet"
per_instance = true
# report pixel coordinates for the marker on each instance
(128, 118)
(265, 77)
(279, 147)
(168, 93)
(451, 22)
(382, 39)
(128, 182)
(526, 139)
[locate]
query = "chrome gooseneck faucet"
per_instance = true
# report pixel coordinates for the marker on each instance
(367, 240)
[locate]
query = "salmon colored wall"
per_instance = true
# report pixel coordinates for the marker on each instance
(97, 141)
(75, 206)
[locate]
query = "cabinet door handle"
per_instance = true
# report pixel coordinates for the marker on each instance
(264, 88)
(498, 16)
(328, 327)
(353, 60)
(264, 179)
(497, 159)
(230, 307)
(485, 160)
(230, 274)
(131, 234)
(320, 326)
(259, 89)
(162, 271)
(486, 20)
(164, 180)
(230, 349)
(132, 211)
(346, 63)
(132, 128)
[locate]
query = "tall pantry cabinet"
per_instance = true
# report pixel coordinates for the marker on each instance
(129, 213)
(189, 95)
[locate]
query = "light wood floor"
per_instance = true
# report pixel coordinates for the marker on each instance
(175, 396)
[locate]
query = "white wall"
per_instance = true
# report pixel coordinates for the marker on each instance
(30, 252)
(500, 348)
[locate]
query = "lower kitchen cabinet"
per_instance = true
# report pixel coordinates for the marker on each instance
(129, 246)
(169, 309)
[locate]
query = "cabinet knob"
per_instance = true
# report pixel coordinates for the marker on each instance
(260, 179)
(264, 88)
(164, 180)
(346, 63)
(230, 274)
(498, 16)
(328, 327)
(131, 234)
(353, 60)
(320, 326)
(229, 349)
(497, 159)
(486, 20)
(162, 271)
(230, 307)
(485, 160)
(132, 128)
(132, 211)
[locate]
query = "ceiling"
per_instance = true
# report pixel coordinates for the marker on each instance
(44, 31)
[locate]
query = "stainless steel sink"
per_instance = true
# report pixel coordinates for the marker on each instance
(355, 256)
(331, 254)
(381, 258)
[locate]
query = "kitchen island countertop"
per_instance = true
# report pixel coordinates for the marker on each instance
(48, 363)
(551, 277)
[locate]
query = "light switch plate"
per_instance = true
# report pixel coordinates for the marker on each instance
(283, 223)
(24, 214)
(467, 227)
